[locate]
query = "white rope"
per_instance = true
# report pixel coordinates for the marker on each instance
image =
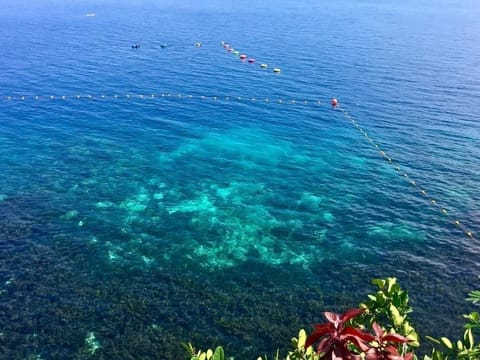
(17, 98)
(412, 182)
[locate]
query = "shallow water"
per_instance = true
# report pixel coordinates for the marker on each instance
(130, 224)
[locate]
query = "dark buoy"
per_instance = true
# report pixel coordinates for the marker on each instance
(334, 102)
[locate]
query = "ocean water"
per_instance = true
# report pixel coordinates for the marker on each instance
(161, 195)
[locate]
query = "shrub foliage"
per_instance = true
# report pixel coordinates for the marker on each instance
(378, 329)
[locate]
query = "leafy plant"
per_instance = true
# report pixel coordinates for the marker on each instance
(389, 306)
(300, 350)
(218, 354)
(383, 347)
(347, 336)
(464, 349)
(338, 340)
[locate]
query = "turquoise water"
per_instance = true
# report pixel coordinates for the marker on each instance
(129, 224)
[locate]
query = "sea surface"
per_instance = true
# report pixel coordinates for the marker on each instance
(175, 193)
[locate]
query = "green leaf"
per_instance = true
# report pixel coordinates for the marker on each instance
(438, 355)
(446, 342)
(396, 317)
(380, 298)
(473, 317)
(188, 348)
(433, 339)
(474, 297)
(209, 354)
(468, 338)
(379, 282)
(391, 281)
(302, 339)
(218, 355)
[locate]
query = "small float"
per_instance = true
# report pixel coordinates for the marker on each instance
(236, 52)
(334, 102)
(277, 70)
(163, 45)
(263, 66)
(197, 44)
(243, 56)
(135, 46)
(251, 60)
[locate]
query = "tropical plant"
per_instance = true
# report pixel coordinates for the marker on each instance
(218, 354)
(357, 333)
(300, 351)
(389, 307)
(336, 339)
(464, 349)
(384, 346)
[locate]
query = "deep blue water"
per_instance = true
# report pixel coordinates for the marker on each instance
(129, 224)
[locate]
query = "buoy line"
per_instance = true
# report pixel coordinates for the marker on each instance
(22, 98)
(244, 58)
(404, 175)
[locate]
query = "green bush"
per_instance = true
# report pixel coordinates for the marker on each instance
(386, 315)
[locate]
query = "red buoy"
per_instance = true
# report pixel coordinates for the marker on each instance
(334, 102)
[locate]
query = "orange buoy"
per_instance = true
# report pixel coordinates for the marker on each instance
(334, 102)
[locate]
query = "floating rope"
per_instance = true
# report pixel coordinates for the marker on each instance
(161, 95)
(407, 178)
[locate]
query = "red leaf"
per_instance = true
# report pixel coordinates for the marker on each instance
(320, 330)
(354, 332)
(357, 337)
(332, 317)
(324, 345)
(325, 328)
(391, 350)
(349, 314)
(396, 338)
(373, 354)
(378, 330)
(341, 353)
(312, 338)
